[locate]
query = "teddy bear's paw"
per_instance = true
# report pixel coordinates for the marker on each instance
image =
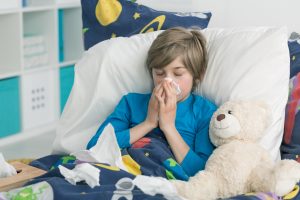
(200, 187)
(287, 173)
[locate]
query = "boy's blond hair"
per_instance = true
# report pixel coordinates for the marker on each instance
(189, 44)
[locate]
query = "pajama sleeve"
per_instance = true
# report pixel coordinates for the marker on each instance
(196, 158)
(194, 161)
(120, 120)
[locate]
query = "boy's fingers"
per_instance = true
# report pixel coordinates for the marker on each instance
(159, 91)
(157, 87)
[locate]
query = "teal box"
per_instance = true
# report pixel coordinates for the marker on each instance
(66, 76)
(61, 35)
(10, 122)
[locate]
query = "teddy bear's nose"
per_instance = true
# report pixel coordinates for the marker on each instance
(220, 117)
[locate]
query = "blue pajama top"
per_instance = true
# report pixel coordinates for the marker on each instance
(192, 122)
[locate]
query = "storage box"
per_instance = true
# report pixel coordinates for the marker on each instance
(66, 84)
(35, 51)
(40, 103)
(9, 107)
(25, 174)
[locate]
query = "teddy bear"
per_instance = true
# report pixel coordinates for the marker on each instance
(239, 164)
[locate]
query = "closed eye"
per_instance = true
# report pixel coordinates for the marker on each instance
(177, 74)
(159, 74)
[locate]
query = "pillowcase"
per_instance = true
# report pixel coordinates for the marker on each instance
(294, 47)
(244, 63)
(290, 148)
(106, 19)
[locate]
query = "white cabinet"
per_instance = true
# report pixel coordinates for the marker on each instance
(37, 38)
(9, 4)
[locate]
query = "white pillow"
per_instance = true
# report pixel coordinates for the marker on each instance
(244, 63)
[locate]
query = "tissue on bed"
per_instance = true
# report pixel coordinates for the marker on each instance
(106, 150)
(82, 172)
(5, 168)
(156, 185)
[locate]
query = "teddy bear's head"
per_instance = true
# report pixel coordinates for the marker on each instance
(239, 120)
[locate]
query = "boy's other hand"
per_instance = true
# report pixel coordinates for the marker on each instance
(167, 99)
(153, 107)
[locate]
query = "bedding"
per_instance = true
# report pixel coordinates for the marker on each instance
(114, 183)
(244, 64)
(107, 19)
(290, 147)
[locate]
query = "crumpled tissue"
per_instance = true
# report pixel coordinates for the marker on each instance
(106, 150)
(6, 169)
(157, 185)
(82, 172)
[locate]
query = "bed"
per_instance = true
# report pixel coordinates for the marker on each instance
(262, 52)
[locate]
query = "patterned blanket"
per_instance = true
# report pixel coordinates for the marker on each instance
(115, 184)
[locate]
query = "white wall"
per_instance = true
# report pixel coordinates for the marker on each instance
(230, 13)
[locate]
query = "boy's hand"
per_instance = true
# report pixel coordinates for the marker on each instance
(153, 107)
(167, 99)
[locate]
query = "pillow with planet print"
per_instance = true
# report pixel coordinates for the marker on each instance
(105, 19)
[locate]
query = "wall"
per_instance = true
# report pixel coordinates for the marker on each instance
(230, 13)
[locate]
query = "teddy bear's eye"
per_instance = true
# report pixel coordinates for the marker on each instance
(229, 112)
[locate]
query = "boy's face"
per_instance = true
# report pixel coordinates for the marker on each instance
(178, 73)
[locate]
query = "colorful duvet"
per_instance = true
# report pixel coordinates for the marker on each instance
(115, 184)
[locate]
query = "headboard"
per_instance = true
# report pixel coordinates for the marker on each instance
(231, 13)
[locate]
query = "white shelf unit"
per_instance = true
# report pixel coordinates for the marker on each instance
(39, 86)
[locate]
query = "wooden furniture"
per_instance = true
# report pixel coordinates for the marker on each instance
(25, 174)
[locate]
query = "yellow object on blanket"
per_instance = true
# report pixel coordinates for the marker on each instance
(132, 166)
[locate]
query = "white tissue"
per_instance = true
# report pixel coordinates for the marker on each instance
(156, 185)
(106, 150)
(177, 88)
(82, 172)
(5, 168)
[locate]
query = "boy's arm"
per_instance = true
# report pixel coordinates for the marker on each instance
(195, 161)
(121, 121)
(190, 161)
(177, 144)
(140, 131)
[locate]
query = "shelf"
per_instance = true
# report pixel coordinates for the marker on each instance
(37, 3)
(67, 3)
(9, 11)
(70, 22)
(10, 49)
(25, 135)
(37, 8)
(9, 74)
(34, 24)
(9, 5)
(68, 63)
(34, 82)
(37, 69)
